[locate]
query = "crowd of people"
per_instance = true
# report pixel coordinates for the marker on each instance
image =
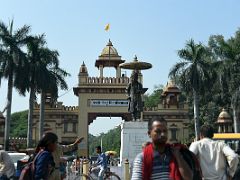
(205, 159)
(46, 159)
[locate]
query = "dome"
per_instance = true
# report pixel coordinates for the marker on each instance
(171, 84)
(83, 68)
(224, 115)
(109, 49)
(171, 88)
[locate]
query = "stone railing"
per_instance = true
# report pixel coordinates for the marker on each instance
(58, 106)
(17, 140)
(70, 108)
(107, 80)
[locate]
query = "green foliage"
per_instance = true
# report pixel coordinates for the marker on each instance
(153, 99)
(19, 124)
(111, 141)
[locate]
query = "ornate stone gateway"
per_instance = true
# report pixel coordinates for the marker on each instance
(101, 96)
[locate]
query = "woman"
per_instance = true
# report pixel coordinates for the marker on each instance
(44, 163)
(7, 169)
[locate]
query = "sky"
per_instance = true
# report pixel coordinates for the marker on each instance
(153, 30)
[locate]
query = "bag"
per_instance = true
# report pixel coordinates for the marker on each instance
(28, 171)
(193, 163)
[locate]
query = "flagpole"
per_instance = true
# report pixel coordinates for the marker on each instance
(107, 29)
(109, 55)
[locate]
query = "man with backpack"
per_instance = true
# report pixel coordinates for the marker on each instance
(160, 160)
(217, 160)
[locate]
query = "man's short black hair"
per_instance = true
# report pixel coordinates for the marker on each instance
(99, 148)
(158, 119)
(207, 131)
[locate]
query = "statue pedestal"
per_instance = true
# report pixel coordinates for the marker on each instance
(133, 135)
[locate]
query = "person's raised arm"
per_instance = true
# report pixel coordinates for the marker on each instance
(71, 147)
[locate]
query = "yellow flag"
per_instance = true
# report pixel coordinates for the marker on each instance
(107, 27)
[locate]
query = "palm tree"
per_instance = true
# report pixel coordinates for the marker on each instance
(53, 77)
(11, 58)
(33, 76)
(193, 74)
(41, 73)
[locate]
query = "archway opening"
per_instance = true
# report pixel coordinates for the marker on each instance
(105, 132)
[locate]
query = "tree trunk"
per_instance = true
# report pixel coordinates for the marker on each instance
(196, 114)
(30, 117)
(42, 115)
(235, 102)
(8, 117)
(236, 116)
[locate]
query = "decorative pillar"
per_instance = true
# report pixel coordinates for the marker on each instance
(118, 71)
(101, 70)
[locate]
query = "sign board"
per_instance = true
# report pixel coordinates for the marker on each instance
(108, 102)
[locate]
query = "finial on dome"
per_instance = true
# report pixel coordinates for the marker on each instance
(135, 58)
(109, 43)
(83, 68)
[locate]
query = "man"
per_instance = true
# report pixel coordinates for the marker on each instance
(160, 160)
(101, 164)
(57, 156)
(217, 160)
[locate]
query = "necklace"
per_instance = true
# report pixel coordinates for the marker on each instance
(163, 157)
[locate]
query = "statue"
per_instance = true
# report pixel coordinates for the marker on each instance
(135, 89)
(134, 92)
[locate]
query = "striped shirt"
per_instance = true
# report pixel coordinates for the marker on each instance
(160, 169)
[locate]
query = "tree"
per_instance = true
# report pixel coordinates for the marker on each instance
(33, 72)
(53, 77)
(153, 99)
(227, 55)
(11, 58)
(193, 73)
(42, 74)
(19, 124)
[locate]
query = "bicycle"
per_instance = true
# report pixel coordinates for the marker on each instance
(108, 175)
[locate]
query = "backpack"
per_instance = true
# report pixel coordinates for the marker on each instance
(28, 171)
(193, 163)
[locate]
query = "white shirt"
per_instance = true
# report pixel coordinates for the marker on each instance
(6, 165)
(213, 156)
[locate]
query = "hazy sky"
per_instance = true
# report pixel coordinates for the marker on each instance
(153, 30)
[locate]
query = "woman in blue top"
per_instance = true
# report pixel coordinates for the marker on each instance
(44, 163)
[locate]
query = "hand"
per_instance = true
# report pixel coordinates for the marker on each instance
(78, 140)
